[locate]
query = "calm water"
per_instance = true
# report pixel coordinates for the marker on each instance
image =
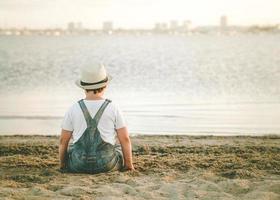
(164, 84)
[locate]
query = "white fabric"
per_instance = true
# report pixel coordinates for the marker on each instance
(110, 120)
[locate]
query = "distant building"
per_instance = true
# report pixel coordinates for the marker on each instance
(160, 27)
(79, 26)
(173, 26)
(108, 26)
(164, 26)
(71, 26)
(223, 22)
(75, 27)
(157, 27)
(187, 25)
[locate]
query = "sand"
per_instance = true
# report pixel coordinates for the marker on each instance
(168, 167)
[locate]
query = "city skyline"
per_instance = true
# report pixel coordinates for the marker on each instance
(135, 13)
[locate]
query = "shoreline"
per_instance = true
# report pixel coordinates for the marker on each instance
(168, 167)
(160, 134)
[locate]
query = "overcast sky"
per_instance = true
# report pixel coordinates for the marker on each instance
(135, 13)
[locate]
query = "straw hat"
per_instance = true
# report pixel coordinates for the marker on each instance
(93, 77)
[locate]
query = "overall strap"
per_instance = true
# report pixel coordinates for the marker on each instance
(100, 112)
(98, 115)
(85, 112)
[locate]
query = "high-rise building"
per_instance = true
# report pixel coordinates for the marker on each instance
(160, 27)
(75, 26)
(157, 27)
(79, 26)
(223, 21)
(164, 26)
(71, 26)
(173, 25)
(187, 25)
(107, 26)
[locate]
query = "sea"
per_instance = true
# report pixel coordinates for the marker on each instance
(164, 84)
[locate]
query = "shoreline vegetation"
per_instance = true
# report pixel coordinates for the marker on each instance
(167, 167)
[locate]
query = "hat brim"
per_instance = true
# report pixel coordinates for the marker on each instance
(95, 86)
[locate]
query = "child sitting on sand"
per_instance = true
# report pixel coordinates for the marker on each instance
(94, 123)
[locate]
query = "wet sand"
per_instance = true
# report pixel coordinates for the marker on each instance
(168, 167)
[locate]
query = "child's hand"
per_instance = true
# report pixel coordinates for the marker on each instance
(63, 169)
(130, 168)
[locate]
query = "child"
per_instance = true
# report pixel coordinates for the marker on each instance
(94, 123)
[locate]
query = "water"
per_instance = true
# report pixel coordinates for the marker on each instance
(164, 84)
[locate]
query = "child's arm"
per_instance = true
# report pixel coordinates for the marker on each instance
(124, 139)
(63, 145)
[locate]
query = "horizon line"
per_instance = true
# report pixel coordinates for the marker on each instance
(64, 27)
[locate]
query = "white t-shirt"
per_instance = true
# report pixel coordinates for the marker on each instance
(110, 120)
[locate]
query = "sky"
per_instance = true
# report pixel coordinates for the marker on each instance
(135, 13)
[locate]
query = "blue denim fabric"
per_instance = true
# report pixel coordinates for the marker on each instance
(90, 154)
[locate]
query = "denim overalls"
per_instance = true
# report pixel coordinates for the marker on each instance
(90, 154)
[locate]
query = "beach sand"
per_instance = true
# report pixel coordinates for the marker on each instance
(168, 167)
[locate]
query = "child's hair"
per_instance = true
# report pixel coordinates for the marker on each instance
(95, 91)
